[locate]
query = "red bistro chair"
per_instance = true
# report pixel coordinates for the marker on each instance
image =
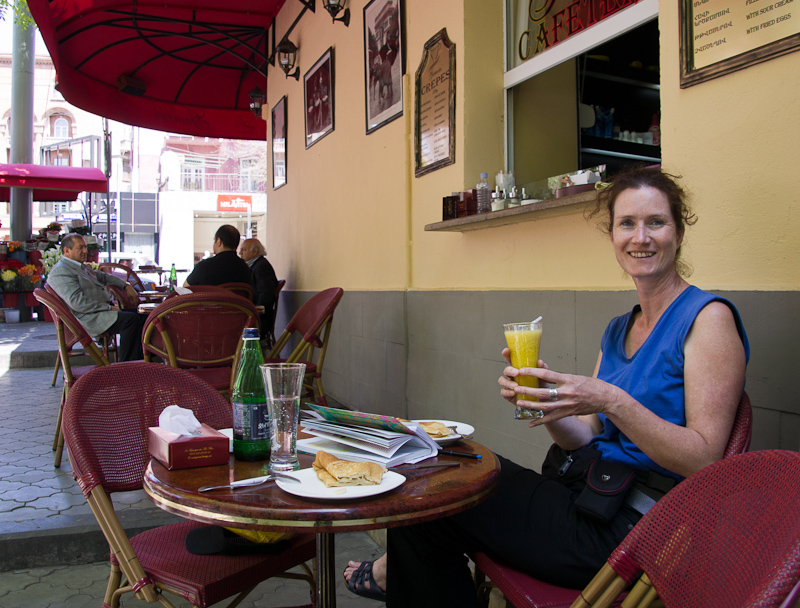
(312, 322)
(128, 398)
(270, 332)
(107, 342)
(729, 535)
(200, 332)
(69, 332)
(524, 591)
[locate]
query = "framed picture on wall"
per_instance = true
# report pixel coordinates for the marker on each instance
(318, 87)
(279, 144)
(384, 62)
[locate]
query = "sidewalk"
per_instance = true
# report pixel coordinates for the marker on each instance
(51, 550)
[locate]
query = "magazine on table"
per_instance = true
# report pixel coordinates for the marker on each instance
(361, 436)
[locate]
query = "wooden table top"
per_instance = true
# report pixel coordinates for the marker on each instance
(426, 494)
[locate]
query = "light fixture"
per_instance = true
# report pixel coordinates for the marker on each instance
(131, 85)
(287, 56)
(333, 7)
(257, 99)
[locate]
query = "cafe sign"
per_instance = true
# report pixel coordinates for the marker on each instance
(234, 202)
(552, 21)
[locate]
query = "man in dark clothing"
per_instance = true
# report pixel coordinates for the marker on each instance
(225, 266)
(262, 279)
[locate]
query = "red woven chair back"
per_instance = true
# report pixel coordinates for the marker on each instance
(109, 410)
(729, 535)
(310, 318)
(198, 329)
(240, 289)
(739, 441)
(123, 272)
(74, 332)
(70, 339)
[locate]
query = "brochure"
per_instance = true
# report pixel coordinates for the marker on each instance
(362, 436)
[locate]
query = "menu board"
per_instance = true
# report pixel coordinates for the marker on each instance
(731, 34)
(434, 133)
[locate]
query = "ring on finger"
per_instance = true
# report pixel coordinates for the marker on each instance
(553, 394)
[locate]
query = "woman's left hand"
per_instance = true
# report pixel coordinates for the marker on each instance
(575, 395)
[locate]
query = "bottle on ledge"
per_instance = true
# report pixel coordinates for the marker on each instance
(173, 278)
(251, 425)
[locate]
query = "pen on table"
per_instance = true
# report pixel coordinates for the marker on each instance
(464, 454)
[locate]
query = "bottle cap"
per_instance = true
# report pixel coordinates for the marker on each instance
(484, 176)
(250, 332)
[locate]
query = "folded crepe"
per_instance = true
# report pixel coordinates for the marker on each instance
(334, 472)
(435, 429)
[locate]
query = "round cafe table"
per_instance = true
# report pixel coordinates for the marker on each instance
(427, 494)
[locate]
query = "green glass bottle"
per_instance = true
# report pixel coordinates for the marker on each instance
(251, 424)
(173, 278)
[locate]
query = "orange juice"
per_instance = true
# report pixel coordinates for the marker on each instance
(523, 343)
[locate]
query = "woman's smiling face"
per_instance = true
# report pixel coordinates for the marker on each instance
(644, 233)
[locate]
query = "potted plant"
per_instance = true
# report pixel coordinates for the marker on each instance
(16, 251)
(9, 277)
(29, 277)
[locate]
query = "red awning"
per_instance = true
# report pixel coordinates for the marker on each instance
(181, 66)
(51, 183)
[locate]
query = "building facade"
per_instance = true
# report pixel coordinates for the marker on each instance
(419, 330)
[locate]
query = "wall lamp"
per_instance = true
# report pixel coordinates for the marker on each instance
(287, 56)
(334, 7)
(257, 99)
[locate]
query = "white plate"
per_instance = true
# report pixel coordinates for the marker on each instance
(311, 487)
(461, 429)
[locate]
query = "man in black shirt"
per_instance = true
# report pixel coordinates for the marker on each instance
(263, 280)
(225, 266)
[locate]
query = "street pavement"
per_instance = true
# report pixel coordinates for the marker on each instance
(52, 553)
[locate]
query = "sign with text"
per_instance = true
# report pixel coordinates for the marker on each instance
(434, 128)
(540, 24)
(234, 202)
(721, 36)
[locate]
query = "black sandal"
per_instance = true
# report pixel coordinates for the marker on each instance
(362, 583)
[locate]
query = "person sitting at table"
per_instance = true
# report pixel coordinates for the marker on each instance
(262, 279)
(225, 266)
(83, 290)
(662, 401)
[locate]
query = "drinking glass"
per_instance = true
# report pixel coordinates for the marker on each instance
(523, 343)
(283, 383)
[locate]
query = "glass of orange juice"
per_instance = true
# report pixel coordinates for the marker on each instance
(523, 343)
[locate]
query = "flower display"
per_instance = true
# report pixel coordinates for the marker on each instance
(49, 259)
(29, 277)
(11, 265)
(8, 275)
(14, 246)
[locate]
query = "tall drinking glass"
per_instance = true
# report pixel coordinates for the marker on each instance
(283, 383)
(523, 343)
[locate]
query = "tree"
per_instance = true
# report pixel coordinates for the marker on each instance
(19, 9)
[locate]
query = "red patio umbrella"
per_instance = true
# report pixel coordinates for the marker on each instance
(181, 66)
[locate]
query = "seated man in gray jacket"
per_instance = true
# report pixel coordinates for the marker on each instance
(83, 290)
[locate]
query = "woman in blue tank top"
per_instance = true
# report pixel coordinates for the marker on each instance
(662, 401)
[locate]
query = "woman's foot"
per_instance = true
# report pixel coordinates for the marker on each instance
(367, 579)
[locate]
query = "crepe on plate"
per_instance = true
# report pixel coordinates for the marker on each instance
(334, 472)
(435, 429)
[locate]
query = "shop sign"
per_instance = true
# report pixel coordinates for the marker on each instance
(722, 36)
(552, 21)
(234, 202)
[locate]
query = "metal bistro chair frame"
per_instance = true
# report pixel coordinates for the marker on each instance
(158, 325)
(130, 396)
(69, 332)
(313, 321)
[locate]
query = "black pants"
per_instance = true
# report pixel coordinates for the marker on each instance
(530, 522)
(129, 327)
